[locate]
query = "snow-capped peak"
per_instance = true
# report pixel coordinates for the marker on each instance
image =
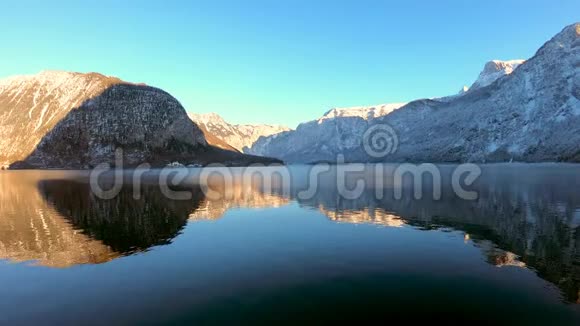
(207, 118)
(495, 69)
(529, 115)
(52, 78)
(53, 73)
(365, 112)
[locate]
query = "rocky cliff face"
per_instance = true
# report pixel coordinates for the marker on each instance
(531, 113)
(30, 106)
(74, 120)
(238, 136)
(494, 70)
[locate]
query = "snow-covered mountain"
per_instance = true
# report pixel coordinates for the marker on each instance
(338, 130)
(237, 136)
(531, 113)
(493, 70)
(59, 119)
(364, 112)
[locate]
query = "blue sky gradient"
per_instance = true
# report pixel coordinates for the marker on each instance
(279, 62)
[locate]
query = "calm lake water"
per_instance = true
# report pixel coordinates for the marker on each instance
(257, 255)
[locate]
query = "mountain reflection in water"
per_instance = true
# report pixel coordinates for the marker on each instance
(524, 217)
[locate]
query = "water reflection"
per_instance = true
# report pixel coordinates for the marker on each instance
(31, 229)
(238, 195)
(524, 217)
(124, 224)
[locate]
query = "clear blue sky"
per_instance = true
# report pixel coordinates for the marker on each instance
(279, 61)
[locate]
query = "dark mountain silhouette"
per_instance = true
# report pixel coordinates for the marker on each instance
(123, 223)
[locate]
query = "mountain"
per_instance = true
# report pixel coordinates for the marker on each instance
(72, 120)
(516, 110)
(213, 140)
(364, 112)
(338, 130)
(493, 70)
(233, 136)
(531, 115)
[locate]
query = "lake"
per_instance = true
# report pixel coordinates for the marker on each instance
(264, 249)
